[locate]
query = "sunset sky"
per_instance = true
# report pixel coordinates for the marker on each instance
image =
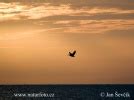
(36, 36)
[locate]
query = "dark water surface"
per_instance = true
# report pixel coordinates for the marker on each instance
(66, 92)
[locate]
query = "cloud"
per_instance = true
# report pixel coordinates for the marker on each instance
(87, 26)
(18, 11)
(100, 27)
(90, 16)
(77, 4)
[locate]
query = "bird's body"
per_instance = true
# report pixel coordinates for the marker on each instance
(72, 54)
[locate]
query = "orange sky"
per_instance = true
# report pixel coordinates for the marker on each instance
(36, 36)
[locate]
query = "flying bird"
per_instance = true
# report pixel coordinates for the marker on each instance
(72, 54)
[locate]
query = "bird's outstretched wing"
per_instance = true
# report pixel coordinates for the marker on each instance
(74, 52)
